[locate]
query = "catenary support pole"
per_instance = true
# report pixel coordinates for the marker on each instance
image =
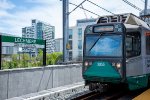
(0, 52)
(145, 9)
(65, 28)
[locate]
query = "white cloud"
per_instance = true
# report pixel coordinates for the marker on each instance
(4, 13)
(49, 14)
(5, 4)
(45, 2)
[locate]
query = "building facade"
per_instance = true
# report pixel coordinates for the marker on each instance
(76, 36)
(59, 45)
(40, 30)
(147, 17)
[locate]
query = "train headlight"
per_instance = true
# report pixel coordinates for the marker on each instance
(86, 63)
(118, 65)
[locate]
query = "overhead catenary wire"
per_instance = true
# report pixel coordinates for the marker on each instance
(85, 9)
(77, 6)
(101, 7)
(84, 12)
(132, 5)
(81, 6)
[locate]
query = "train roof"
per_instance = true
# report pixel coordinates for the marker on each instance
(129, 26)
(128, 19)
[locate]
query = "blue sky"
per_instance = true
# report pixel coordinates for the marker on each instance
(15, 14)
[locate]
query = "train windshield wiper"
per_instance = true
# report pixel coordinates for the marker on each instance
(95, 42)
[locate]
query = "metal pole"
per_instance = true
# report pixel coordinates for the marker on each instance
(65, 28)
(44, 54)
(0, 52)
(145, 9)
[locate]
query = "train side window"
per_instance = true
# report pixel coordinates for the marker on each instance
(148, 44)
(133, 44)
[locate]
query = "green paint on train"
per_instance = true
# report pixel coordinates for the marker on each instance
(103, 71)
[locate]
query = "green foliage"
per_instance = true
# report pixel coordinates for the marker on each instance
(5, 65)
(48, 59)
(24, 60)
(53, 58)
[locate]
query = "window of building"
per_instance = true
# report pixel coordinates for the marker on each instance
(80, 57)
(70, 55)
(133, 44)
(80, 33)
(70, 33)
(80, 54)
(79, 44)
(7, 50)
(70, 43)
(23, 30)
(33, 21)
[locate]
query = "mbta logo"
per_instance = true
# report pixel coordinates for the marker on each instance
(100, 64)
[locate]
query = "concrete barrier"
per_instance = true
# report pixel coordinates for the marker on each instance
(17, 82)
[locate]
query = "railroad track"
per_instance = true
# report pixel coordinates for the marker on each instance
(121, 94)
(100, 96)
(110, 94)
(87, 96)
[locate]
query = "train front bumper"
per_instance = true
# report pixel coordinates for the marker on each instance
(104, 73)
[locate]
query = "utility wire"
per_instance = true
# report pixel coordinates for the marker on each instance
(84, 9)
(77, 6)
(84, 12)
(129, 3)
(100, 7)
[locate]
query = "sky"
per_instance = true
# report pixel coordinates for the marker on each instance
(16, 14)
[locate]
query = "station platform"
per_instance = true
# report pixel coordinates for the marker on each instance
(59, 93)
(144, 96)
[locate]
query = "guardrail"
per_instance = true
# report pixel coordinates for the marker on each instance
(17, 82)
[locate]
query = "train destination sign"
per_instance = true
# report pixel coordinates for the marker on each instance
(22, 40)
(103, 28)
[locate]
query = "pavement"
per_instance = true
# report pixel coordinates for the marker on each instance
(143, 96)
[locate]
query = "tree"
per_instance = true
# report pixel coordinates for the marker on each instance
(39, 58)
(25, 60)
(48, 59)
(15, 59)
(55, 57)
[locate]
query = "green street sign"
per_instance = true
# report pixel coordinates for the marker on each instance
(22, 40)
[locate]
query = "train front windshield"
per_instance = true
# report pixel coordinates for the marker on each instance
(104, 45)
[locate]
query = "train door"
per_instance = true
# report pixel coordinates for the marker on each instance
(133, 54)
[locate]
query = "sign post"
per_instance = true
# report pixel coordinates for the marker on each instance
(44, 54)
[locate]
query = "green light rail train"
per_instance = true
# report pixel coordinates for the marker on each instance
(117, 51)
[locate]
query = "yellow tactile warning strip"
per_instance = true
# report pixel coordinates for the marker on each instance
(144, 96)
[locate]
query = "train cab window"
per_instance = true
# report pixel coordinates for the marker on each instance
(133, 44)
(147, 43)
